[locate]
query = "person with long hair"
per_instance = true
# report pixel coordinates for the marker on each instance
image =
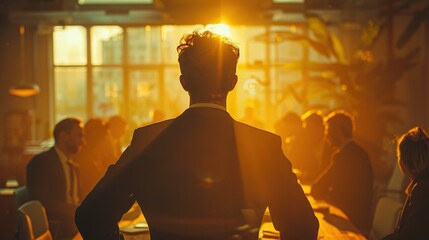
(413, 159)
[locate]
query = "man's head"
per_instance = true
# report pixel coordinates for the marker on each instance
(117, 126)
(68, 135)
(96, 131)
(313, 124)
(208, 63)
(339, 127)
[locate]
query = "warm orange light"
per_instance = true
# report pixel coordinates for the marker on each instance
(24, 90)
(221, 29)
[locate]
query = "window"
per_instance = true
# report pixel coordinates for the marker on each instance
(83, 2)
(70, 73)
(132, 71)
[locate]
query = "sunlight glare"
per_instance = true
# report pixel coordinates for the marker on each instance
(221, 29)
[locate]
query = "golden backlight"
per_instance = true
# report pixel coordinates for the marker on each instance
(221, 29)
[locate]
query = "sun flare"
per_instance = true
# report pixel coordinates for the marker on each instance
(221, 29)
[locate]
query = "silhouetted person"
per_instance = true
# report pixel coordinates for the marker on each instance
(306, 150)
(250, 117)
(53, 180)
(348, 181)
(413, 159)
(288, 127)
(96, 154)
(201, 175)
(117, 127)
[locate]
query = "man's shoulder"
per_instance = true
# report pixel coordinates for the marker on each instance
(354, 153)
(43, 157)
(352, 147)
(254, 136)
(45, 154)
(254, 132)
(145, 132)
(153, 127)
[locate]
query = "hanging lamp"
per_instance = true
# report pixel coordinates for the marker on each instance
(23, 88)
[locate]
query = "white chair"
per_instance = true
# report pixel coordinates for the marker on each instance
(33, 222)
(386, 216)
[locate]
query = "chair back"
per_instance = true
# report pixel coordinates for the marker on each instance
(386, 217)
(33, 222)
(21, 196)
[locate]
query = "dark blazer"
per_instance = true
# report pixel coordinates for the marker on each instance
(194, 177)
(348, 184)
(413, 223)
(46, 182)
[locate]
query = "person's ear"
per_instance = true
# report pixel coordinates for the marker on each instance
(183, 82)
(233, 82)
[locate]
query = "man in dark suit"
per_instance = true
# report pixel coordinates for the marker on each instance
(201, 175)
(52, 177)
(348, 182)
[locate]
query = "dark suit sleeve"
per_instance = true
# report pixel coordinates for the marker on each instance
(98, 215)
(290, 210)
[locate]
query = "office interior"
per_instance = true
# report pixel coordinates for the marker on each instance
(99, 58)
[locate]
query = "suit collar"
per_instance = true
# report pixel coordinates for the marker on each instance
(206, 112)
(207, 105)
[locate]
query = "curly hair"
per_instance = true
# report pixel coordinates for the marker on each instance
(208, 61)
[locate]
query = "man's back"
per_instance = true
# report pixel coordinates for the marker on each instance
(348, 183)
(201, 175)
(193, 177)
(189, 178)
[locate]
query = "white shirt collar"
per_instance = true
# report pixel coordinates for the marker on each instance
(61, 155)
(210, 105)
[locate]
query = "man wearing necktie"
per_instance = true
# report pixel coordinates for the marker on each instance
(52, 177)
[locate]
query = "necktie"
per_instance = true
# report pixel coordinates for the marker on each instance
(72, 177)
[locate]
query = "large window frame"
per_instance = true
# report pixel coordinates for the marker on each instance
(260, 68)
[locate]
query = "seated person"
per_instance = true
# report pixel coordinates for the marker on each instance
(348, 182)
(413, 159)
(52, 178)
(306, 150)
(95, 156)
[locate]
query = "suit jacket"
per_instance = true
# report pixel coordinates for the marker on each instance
(194, 177)
(46, 183)
(413, 223)
(348, 184)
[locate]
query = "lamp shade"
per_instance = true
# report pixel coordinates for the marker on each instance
(24, 90)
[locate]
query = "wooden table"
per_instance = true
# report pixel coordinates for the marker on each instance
(133, 225)
(333, 223)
